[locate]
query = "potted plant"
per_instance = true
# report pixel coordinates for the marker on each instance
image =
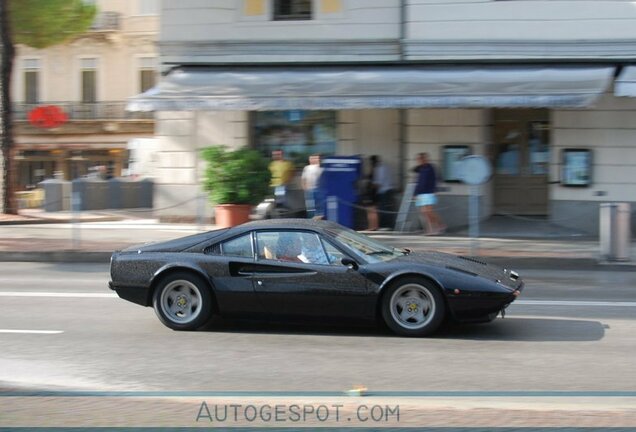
(236, 180)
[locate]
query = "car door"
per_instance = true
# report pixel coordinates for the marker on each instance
(299, 273)
(230, 266)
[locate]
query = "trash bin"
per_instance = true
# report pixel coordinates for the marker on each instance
(94, 194)
(615, 231)
(57, 195)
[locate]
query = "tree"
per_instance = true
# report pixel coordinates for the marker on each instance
(39, 24)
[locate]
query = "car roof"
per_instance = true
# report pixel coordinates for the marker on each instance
(314, 224)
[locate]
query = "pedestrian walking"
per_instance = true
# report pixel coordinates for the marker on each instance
(282, 174)
(371, 196)
(310, 179)
(425, 197)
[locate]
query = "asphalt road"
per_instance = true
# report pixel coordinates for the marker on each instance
(570, 331)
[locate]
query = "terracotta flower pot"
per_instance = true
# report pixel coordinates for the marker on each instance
(229, 215)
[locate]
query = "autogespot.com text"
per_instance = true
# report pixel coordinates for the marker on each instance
(297, 413)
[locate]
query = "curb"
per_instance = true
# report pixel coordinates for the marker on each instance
(530, 263)
(556, 263)
(61, 256)
(44, 221)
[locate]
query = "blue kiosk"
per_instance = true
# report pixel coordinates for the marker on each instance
(338, 186)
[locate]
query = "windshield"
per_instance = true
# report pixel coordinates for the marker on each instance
(365, 247)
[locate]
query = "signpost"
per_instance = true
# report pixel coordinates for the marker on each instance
(475, 171)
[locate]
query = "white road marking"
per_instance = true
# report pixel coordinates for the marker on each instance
(29, 279)
(56, 294)
(573, 303)
(32, 331)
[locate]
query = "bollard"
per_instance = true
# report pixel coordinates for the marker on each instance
(615, 235)
(76, 205)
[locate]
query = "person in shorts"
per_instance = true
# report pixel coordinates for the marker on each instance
(425, 198)
(311, 185)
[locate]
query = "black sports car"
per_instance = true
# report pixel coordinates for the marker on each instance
(307, 269)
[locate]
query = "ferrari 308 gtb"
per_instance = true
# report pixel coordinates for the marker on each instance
(308, 269)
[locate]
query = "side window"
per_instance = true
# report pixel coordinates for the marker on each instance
(333, 255)
(294, 246)
(238, 247)
(279, 245)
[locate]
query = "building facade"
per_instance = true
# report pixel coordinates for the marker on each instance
(69, 100)
(543, 89)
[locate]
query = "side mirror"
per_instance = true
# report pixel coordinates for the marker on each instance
(351, 264)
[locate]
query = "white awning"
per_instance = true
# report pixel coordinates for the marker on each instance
(626, 82)
(340, 87)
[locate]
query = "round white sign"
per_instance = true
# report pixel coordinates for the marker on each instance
(475, 170)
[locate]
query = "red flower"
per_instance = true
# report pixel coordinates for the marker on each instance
(47, 116)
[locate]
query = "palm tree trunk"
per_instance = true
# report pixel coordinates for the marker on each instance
(7, 192)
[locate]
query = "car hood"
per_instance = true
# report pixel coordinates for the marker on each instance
(467, 265)
(176, 245)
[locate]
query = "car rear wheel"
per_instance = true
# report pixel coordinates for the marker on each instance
(182, 301)
(413, 307)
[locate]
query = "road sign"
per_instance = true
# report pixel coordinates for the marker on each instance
(475, 170)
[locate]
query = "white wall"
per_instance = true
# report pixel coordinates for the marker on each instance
(179, 168)
(196, 20)
(609, 128)
(369, 132)
(340, 30)
(531, 29)
(519, 20)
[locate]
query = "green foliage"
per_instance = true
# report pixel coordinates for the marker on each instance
(42, 23)
(236, 177)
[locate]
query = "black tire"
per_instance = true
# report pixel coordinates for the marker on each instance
(419, 295)
(183, 301)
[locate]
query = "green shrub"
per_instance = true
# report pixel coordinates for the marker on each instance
(236, 176)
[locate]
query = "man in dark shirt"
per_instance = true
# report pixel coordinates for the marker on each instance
(425, 197)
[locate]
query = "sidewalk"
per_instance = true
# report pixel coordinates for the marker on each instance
(99, 234)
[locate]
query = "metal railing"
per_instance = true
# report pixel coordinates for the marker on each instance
(84, 111)
(106, 21)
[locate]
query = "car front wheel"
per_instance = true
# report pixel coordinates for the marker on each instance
(182, 301)
(413, 307)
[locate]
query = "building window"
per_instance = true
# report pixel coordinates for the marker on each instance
(297, 133)
(147, 73)
(31, 80)
(89, 80)
(288, 10)
(149, 7)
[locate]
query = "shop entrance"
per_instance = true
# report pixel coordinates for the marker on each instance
(521, 157)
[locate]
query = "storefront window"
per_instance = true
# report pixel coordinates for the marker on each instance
(298, 133)
(577, 167)
(452, 157)
(538, 141)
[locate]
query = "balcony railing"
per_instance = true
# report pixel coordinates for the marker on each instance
(84, 111)
(106, 21)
